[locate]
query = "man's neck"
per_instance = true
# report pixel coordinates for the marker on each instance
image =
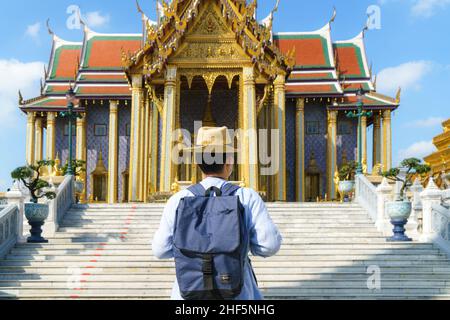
(215, 176)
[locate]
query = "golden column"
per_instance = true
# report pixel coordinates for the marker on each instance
(249, 135)
(364, 140)
(142, 147)
(146, 153)
(154, 137)
(168, 121)
(135, 138)
(51, 136)
(38, 139)
(280, 124)
(331, 153)
(81, 153)
(376, 139)
(30, 137)
(300, 144)
(113, 165)
(387, 140)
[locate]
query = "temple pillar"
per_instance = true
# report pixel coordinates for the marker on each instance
(30, 139)
(168, 121)
(300, 147)
(51, 136)
(135, 139)
(387, 140)
(81, 151)
(280, 124)
(38, 140)
(154, 137)
(113, 153)
(376, 139)
(331, 153)
(250, 133)
(146, 153)
(364, 140)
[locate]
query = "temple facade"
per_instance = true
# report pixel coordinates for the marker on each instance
(440, 160)
(209, 61)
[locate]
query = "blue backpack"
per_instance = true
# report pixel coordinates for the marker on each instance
(211, 244)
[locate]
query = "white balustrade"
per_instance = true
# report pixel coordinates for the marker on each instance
(58, 207)
(8, 228)
(366, 196)
(436, 216)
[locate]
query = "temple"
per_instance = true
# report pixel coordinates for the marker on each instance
(210, 61)
(440, 160)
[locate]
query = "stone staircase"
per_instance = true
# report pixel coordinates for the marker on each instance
(104, 252)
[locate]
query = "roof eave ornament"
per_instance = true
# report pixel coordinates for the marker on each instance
(398, 96)
(333, 17)
(20, 98)
(50, 31)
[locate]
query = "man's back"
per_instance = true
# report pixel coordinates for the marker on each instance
(265, 239)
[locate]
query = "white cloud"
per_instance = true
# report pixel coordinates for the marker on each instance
(426, 123)
(33, 31)
(407, 75)
(417, 150)
(427, 8)
(15, 76)
(95, 19)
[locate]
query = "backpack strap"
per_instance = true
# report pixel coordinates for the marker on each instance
(229, 189)
(197, 190)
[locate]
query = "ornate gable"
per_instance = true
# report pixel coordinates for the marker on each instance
(209, 30)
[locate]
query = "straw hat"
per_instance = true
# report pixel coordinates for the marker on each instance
(213, 140)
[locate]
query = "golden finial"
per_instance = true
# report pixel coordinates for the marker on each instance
(375, 82)
(398, 96)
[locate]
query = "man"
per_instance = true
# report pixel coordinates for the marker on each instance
(265, 239)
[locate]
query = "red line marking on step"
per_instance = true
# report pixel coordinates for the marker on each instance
(74, 297)
(94, 261)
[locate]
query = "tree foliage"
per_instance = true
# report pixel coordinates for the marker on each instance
(30, 176)
(412, 167)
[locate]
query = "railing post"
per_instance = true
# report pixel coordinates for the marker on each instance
(17, 198)
(51, 224)
(431, 196)
(416, 216)
(384, 194)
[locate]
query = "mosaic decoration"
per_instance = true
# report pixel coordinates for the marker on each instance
(124, 146)
(96, 114)
(317, 143)
(290, 150)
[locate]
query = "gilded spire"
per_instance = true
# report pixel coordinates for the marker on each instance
(208, 118)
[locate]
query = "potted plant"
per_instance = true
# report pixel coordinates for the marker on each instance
(35, 212)
(78, 167)
(399, 210)
(347, 179)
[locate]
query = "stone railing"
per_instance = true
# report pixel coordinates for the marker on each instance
(436, 216)
(9, 219)
(366, 196)
(373, 200)
(58, 207)
(3, 200)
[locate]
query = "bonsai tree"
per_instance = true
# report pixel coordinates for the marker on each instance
(412, 167)
(347, 171)
(78, 166)
(30, 177)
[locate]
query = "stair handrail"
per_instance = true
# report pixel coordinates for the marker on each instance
(58, 207)
(436, 216)
(367, 196)
(9, 217)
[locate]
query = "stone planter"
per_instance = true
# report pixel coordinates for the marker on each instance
(36, 214)
(345, 188)
(399, 213)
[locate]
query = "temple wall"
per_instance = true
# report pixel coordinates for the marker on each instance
(62, 143)
(317, 142)
(124, 147)
(290, 149)
(347, 138)
(96, 115)
(193, 107)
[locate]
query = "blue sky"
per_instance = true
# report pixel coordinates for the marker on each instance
(412, 50)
